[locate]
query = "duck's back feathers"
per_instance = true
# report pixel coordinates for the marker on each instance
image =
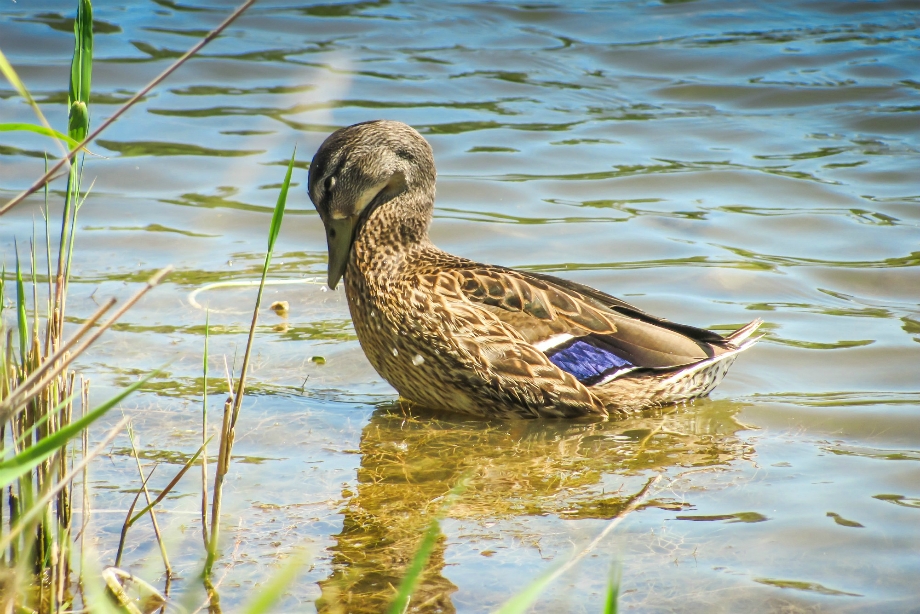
(549, 312)
(594, 337)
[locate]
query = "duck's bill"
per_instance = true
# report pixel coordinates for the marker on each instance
(339, 236)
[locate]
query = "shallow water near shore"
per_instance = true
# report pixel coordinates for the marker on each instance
(707, 161)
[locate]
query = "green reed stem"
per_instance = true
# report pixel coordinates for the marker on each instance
(81, 69)
(233, 404)
(22, 321)
(204, 432)
(274, 229)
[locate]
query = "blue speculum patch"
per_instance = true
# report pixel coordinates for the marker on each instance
(586, 361)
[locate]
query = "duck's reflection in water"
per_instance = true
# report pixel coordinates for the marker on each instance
(410, 459)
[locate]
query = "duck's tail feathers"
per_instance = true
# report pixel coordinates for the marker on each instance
(680, 385)
(741, 335)
(714, 369)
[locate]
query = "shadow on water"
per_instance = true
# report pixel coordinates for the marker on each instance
(410, 459)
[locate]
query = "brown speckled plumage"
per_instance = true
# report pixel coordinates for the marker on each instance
(454, 334)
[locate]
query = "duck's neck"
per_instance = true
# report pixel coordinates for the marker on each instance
(392, 232)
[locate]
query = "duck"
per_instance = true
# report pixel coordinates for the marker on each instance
(483, 340)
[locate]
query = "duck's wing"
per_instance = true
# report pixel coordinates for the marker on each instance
(589, 334)
(495, 358)
(603, 300)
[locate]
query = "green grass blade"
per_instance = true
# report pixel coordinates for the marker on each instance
(269, 593)
(21, 312)
(277, 216)
(42, 420)
(279, 206)
(417, 566)
(613, 589)
(204, 430)
(521, 602)
(4, 368)
(24, 127)
(410, 580)
(81, 68)
(7, 69)
(34, 283)
(35, 454)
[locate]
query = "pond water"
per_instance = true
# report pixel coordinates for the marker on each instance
(709, 161)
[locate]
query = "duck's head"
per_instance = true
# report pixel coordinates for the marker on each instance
(359, 168)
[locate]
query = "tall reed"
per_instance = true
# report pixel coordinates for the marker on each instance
(37, 392)
(44, 446)
(233, 405)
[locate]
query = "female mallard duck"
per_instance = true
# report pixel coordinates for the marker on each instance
(450, 333)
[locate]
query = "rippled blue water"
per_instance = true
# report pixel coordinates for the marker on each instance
(709, 161)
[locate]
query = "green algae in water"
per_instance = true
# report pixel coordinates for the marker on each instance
(812, 587)
(843, 521)
(899, 500)
(747, 517)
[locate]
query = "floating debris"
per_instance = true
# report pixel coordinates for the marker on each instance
(280, 308)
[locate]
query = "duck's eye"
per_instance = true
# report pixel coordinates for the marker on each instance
(330, 183)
